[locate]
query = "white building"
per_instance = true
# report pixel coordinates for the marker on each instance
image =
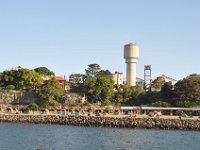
(168, 79)
(139, 82)
(117, 77)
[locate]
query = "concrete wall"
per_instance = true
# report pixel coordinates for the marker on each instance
(15, 98)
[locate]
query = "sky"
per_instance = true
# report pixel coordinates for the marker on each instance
(66, 36)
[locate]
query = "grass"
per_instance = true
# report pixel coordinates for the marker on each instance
(163, 116)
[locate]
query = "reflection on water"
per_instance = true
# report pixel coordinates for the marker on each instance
(57, 137)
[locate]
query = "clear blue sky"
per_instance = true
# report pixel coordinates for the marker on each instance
(66, 36)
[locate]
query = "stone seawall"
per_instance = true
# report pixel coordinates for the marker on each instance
(110, 122)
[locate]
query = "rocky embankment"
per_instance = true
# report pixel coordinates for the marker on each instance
(16, 97)
(110, 122)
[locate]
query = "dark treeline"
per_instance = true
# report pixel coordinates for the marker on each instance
(49, 92)
(97, 86)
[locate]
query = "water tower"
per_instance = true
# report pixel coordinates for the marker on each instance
(131, 54)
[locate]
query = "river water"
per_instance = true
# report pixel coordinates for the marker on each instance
(60, 137)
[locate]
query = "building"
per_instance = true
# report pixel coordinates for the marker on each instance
(139, 82)
(117, 77)
(168, 79)
(62, 80)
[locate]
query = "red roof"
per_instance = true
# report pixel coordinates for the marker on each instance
(59, 78)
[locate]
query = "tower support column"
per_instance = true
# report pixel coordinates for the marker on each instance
(131, 73)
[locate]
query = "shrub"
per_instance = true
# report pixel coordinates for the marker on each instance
(187, 104)
(10, 87)
(33, 107)
(160, 104)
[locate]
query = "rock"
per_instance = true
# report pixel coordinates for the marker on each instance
(104, 121)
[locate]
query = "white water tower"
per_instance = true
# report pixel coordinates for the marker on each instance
(131, 54)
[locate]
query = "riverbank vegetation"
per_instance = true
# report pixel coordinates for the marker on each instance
(98, 88)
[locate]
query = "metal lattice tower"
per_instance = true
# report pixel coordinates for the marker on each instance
(147, 78)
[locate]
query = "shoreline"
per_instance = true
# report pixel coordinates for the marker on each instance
(107, 122)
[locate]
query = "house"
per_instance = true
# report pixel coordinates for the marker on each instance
(62, 80)
(168, 79)
(139, 82)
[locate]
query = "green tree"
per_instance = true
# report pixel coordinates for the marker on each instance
(118, 95)
(188, 89)
(8, 78)
(89, 88)
(131, 94)
(10, 87)
(118, 98)
(77, 78)
(187, 103)
(51, 91)
(93, 70)
(97, 85)
(21, 79)
(44, 71)
(99, 89)
(104, 89)
(149, 97)
(104, 72)
(33, 107)
(29, 79)
(160, 103)
(158, 82)
(77, 82)
(167, 91)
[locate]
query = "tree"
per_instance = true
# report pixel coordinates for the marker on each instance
(29, 79)
(7, 78)
(149, 97)
(160, 103)
(76, 82)
(188, 89)
(77, 78)
(10, 87)
(188, 103)
(44, 71)
(158, 82)
(99, 89)
(118, 94)
(89, 88)
(131, 94)
(104, 89)
(118, 98)
(51, 91)
(104, 72)
(97, 85)
(93, 70)
(167, 91)
(33, 107)
(21, 79)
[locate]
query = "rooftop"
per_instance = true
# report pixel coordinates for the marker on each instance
(59, 78)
